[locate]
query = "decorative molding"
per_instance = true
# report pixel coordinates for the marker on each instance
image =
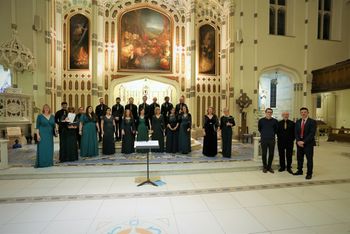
(114, 77)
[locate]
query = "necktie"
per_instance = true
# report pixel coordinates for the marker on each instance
(302, 128)
(285, 124)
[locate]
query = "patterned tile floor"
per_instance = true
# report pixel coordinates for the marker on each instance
(217, 202)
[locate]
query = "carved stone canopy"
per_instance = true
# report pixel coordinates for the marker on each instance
(16, 56)
(243, 101)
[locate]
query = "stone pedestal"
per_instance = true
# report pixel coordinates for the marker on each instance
(3, 154)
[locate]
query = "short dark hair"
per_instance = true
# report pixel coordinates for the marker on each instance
(64, 103)
(267, 109)
(304, 108)
(118, 98)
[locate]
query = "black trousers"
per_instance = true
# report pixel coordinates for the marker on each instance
(308, 151)
(285, 151)
(118, 129)
(267, 145)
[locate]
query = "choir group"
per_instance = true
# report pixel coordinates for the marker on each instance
(168, 124)
(130, 123)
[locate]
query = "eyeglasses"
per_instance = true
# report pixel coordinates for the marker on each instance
(270, 112)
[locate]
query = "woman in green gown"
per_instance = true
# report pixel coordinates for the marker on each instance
(87, 130)
(158, 129)
(185, 120)
(45, 128)
(142, 124)
(128, 133)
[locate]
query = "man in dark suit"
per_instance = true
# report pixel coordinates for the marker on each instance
(152, 107)
(178, 107)
(60, 116)
(132, 107)
(144, 106)
(165, 109)
(305, 130)
(117, 112)
(285, 142)
(267, 127)
(100, 111)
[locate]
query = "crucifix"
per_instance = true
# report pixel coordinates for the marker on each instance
(243, 102)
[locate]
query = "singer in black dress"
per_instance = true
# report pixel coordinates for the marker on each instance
(128, 133)
(158, 129)
(69, 146)
(226, 124)
(185, 124)
(210, 126)
(172, 133)
(108, 130)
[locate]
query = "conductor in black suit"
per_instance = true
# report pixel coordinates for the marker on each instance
(285, 142)
(100, 112)
(144, 106)
(118, 112)
(133, 108)
(305, 130)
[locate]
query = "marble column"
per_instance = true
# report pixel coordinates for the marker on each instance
(97, 49)
(191, 63)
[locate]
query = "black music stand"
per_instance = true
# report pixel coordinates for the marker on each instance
(147, 145)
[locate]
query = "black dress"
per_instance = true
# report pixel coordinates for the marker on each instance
(210, 143)
(172, 136)
(226, 135)
(108, 146)
(184, 135)
(158, 132)
(128, 125)
(69, 144)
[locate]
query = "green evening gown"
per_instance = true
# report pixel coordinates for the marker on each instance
(45, 126)
(142, 132)
(89, 145)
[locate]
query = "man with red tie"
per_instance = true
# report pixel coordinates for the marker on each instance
(305, 130)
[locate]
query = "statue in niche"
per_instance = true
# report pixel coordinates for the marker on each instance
(263, 99)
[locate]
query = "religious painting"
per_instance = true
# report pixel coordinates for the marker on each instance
(207, 51)
(79, 42)
(145, 41)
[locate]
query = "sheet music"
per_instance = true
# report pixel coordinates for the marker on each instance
(71, 117)
(146, 144)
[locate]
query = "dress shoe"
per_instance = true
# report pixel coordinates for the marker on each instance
(271, 170)
(281, 169)
(308, 177)
(298, 173)
(290, 171)
(265, 170)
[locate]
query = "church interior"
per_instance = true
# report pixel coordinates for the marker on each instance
(241, 57)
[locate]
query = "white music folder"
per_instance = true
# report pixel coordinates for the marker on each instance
(146, 145)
